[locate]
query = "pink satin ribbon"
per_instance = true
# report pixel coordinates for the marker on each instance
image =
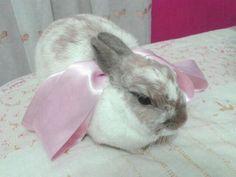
(63, 105)
(189, 77)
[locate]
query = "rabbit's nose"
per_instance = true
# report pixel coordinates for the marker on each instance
(170, 124)
(177, 121)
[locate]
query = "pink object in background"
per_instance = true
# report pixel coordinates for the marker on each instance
(178, 18)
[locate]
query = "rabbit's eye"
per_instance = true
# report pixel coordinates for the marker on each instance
(144, 100)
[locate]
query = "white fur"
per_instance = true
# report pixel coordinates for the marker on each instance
(171, 90)
(114, 124)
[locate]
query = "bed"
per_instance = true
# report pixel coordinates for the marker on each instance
(204, 147)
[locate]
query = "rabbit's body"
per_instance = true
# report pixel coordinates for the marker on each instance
(141, 102)
(68, 40)
(120, 127)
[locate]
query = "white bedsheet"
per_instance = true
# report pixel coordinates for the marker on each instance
(205, 146)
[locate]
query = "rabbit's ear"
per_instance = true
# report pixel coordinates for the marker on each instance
(107, 59)
(115, 43)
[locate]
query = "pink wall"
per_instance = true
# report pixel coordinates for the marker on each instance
(178, 18)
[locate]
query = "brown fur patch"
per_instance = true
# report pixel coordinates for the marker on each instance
(68, 37)
(159, 99)
(181, 115)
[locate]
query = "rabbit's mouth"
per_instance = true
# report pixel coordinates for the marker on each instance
(170, 124)
(178, 119)
(167, 126)
(173, 124)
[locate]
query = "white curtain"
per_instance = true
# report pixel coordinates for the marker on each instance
(22, 22)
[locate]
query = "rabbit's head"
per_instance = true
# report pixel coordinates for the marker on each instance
(148, 88)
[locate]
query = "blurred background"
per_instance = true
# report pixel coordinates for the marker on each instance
(22, 22)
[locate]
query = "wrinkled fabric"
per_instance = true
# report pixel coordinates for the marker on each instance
(64, 104)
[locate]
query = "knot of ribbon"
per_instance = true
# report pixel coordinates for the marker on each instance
(63, 105)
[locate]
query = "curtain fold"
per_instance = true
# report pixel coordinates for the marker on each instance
(13, 60)
(22, 22)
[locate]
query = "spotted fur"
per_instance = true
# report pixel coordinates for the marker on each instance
(121, 119)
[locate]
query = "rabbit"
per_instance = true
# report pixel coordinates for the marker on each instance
(67, 40)
(141, 102)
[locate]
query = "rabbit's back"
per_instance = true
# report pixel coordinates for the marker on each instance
(68, 40)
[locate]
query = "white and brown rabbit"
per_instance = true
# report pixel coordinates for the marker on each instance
(141, 102)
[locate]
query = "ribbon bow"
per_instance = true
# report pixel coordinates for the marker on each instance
(63, 105)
